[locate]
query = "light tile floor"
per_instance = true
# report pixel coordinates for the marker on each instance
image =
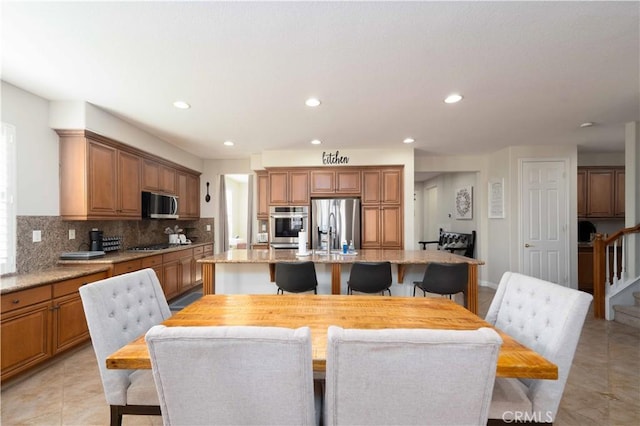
(603, 386)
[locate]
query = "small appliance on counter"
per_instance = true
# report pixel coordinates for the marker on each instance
(111, 243)
(585, 231)
(95, 237)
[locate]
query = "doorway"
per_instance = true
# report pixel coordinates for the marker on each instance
(544, 220)
(237, 209)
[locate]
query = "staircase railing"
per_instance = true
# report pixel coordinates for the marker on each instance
(609, 266)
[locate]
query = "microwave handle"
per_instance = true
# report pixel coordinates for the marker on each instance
(174, 205)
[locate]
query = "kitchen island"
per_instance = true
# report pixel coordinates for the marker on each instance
(235, 264)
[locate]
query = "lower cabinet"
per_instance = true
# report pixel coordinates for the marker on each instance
(177, 272)
(40, 322)
(382, 227)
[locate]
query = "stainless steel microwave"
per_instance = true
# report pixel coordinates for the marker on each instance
(159, 206)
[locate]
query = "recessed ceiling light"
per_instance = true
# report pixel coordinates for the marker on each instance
(316, 142)
(312, 102)
(453, 98)
(228, 143)
(181, 105)
(409, 140)
(587, 124)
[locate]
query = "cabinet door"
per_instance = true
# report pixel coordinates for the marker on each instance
(278, 188)
(322, 182)
(171, 279)
(582, 193)
(370, 187)
(129, 171)
(585, 269)
(619, 194)
(25, 338)
(69, 323)
(150, 175)
(193, 194)
(183, 198)
(601, 193)
(263, 195)
(299, 188)
(391, 227)
(102, 192)
(186, 274)
(371, 227)
(348, 182)
(167, 180)
(391, 187)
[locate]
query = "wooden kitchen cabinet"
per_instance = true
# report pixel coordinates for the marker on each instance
(200, 253)
(288, 188)
(263, 194)
(382, 212)
(188, 196)
(157, 177)
(585, 267)
(102, 179)
(382, 186)
(618, 199)
(325, 182)
(177, 272)
(601, 192)
(40, 322)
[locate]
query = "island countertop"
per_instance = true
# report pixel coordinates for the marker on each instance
(396, 257)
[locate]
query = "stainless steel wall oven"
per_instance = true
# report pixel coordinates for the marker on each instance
(284, 223)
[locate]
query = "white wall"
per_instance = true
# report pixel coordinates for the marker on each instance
(38, 192)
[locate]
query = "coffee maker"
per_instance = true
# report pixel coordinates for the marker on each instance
(95, 236)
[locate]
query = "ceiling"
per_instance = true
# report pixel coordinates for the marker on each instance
(530, 72)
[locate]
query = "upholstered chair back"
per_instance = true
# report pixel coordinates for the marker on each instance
(233, 375)
(410, 376)
(547, 318)
(118, 310)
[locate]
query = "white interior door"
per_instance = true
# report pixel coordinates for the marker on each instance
(431, 230)
(544, 220)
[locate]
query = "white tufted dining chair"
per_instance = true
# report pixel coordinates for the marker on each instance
(118, 310)
(547, 318)
(234, 375)
(409, 376)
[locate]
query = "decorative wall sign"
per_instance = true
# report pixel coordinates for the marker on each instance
(496, 199)
(464, 203)
(332, 159)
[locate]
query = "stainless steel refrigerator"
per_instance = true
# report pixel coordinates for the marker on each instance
(334, 220)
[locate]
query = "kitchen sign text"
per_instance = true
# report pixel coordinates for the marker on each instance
(330, 158)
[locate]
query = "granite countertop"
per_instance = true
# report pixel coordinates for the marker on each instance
(69, 269)
(125, 255)
(363, 255)
(11, 283)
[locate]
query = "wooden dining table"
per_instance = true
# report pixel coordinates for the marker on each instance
(318, 312)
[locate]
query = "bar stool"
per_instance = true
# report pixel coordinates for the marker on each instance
(444, 278)
(370, 277)
(296, 277)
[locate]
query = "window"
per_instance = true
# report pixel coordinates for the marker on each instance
(7, 199)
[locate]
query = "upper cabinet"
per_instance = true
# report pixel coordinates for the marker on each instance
(157, 177)
(263, 195)
(102, 179)
(188, 195)
(382, 186)
(288, 187)
(325, 182)
(601, 192)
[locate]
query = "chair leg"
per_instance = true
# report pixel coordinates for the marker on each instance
(280, 291)
(116, 415)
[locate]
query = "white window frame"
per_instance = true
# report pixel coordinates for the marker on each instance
(8, 189)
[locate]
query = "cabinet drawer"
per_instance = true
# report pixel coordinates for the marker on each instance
(169, 257)
(208, 250)
(20, 299)
(125, 267)
(152, 261)
(70, 286)
(198, 250)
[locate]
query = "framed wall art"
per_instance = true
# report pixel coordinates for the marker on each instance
(496, 199)
(464, 203)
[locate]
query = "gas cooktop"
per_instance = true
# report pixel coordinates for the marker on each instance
(150, 247)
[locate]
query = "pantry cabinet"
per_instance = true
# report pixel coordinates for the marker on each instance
(382, 218)
(601, 192)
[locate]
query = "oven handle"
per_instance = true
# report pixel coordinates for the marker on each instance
(289, 216)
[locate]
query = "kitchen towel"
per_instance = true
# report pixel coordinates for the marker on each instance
(302, 242)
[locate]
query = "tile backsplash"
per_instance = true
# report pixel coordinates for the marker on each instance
(34, 257)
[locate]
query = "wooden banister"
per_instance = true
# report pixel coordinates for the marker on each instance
(599, 267)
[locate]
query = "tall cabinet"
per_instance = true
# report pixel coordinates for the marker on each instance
(382, 209)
